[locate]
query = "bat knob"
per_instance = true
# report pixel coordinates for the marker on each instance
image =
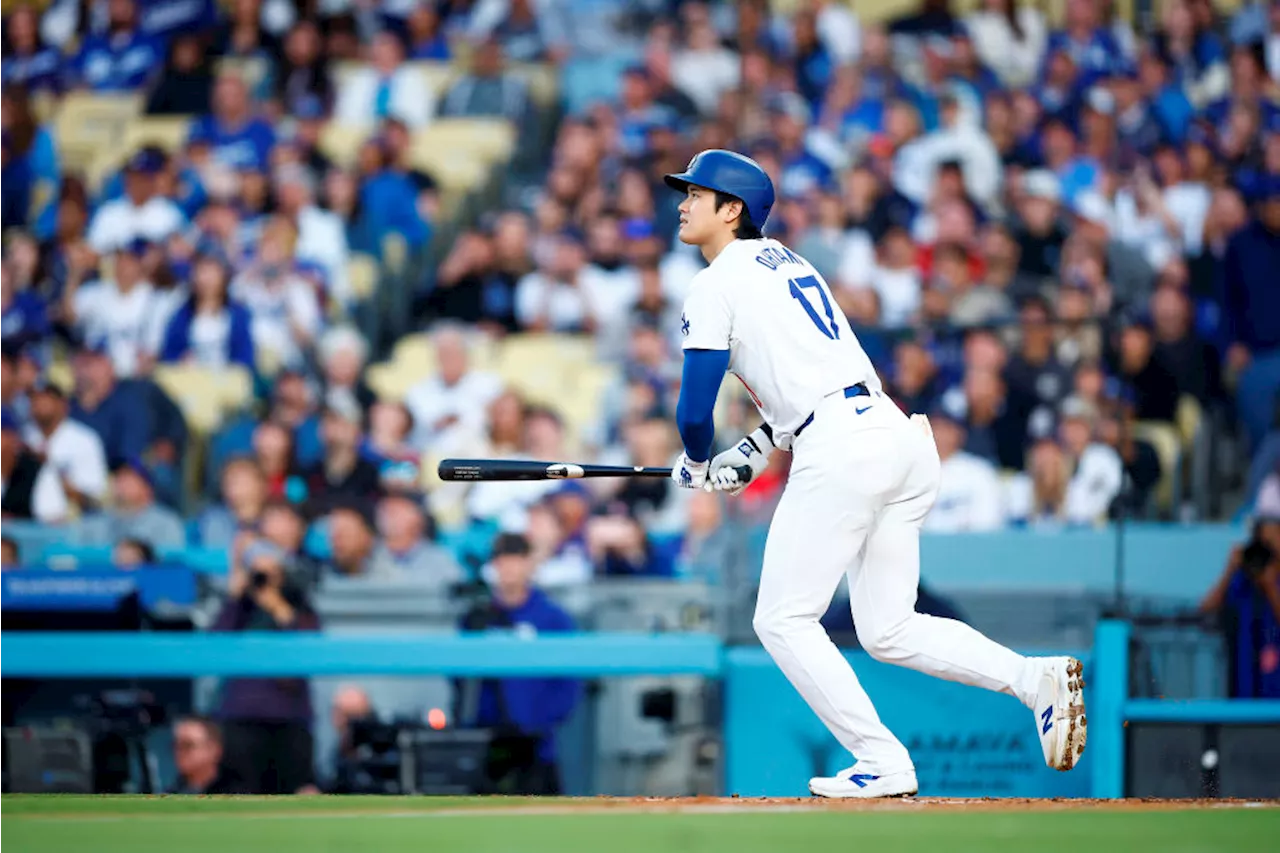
(744, 473)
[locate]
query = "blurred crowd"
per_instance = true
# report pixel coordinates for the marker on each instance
(1051, 234)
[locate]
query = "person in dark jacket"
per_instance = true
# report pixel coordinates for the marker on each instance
(209, 329)
(267, 721)
(533, 707)
(197, 756)
(1251, 303)
(187, 84)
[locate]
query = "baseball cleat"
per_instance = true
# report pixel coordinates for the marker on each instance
(1060, 717)
(850, 785)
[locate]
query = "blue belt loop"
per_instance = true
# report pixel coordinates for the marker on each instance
(859, 390)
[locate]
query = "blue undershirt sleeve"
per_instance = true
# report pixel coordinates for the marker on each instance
(703, 372)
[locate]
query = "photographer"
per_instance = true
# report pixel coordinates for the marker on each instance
(266, 721)
(1248, 596)
(529, 707)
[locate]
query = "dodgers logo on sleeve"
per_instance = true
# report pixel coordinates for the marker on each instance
(684, 325)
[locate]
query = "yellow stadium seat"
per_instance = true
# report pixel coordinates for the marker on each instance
(196, 392)
(362, 272)
(166, 132)
(87, 124)
(395, 254)
(342, 142)
(543, 80)
(437, 75)
(391, 380)
(418, 350)
(1188, 418)
(1164, 438)
(492, 139)
(456, 170)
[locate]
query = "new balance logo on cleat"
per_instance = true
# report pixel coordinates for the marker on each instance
(1047, 716)
(861, 779)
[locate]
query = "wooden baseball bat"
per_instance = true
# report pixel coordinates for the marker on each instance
(519, 469)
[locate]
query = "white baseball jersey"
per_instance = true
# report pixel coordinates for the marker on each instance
(788, 342)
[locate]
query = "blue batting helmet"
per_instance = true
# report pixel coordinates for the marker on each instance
(732, 174)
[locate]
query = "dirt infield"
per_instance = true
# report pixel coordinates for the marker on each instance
(907, 803)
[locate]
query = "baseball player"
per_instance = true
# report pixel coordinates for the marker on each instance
(863, 477)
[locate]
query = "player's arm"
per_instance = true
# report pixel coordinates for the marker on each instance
(695, 413)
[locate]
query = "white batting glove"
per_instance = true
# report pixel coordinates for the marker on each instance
(922, 423)
(688, 474)
(752, 451)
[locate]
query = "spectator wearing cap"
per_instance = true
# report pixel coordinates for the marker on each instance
(142, 213)
(235, 137)
(209, 329)
(122, 59)
(405, 549)
(970, 496)
(134, 513)
(266, 721)
(553, 298)
(342, 474)
(186, 86)
(488, 90)
(342, 352)
(535, 707)
(285, 312)
(70, 449)
(123, 315)
(1124, 265)
(449, 406)
(1041, 234)
(383, 88)
(1037, 380)
(1251, 304)
(127, 416)
(29, 488)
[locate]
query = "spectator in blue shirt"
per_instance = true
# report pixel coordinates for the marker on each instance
(31, 178)
(426, 36)
(533, 707)
(165, 18)
(1248, 596)
(1092, 47)
(209, 329)
(235, 136)
(801, 170)
(25, 317)
(1251, 302)
(123, 59)
(1196, 56)
(388, 199)
(28, 62)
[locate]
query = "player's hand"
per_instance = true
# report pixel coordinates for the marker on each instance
(922, 423)
(752, 451)
(688, 474)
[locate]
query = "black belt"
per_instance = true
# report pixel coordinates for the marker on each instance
(859, 390)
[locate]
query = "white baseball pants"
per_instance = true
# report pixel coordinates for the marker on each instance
(859, 489)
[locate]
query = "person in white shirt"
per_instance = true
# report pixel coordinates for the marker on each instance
(970, 497)
(704, 69)
(141, 213)
(283, 306)
(1073, 479)
(44, 497)
(1009, 38)
(557, 297)
(71, 450)
(125, 313)
(384, 88)
(611, 284)
(449, 407)
(322, 238)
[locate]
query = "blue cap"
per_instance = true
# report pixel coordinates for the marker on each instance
(733, 174)
(148, 161)
(137, 246)
(135, 465)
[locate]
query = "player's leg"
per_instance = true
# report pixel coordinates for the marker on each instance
(817, 533)
(882, 594)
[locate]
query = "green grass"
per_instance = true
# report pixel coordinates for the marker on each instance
(470, 825)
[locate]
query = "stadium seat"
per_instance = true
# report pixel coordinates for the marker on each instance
(362, 272)
(438, 75)
(341, 142)
(1188, 418)
(395, 254)
(166, 132)
(1165, 439)
(391, 380)
(205, 396)
(544, 86)
(491, 138)
(87, 124)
